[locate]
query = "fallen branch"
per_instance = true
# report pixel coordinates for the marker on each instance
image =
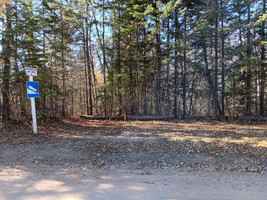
(92, 117)
(152, 118)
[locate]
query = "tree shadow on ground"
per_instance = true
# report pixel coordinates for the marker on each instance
(217, 140)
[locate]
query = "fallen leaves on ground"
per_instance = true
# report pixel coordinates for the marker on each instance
(159, 144)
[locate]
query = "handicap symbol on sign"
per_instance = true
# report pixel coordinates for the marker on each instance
(32, 89)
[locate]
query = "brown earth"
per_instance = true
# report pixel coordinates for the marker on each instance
(206, 160)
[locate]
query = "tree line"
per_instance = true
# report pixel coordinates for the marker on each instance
(135, 57)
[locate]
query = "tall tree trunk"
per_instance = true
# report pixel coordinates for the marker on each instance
(87, 48)
(256, 78)
(222, 61)
(263, 66)
(175, 111)
(63, 62)
(45, 68)
(6, 71)
(85, 70)
(168, 69)
(216, 61)
(93, 76)
(211, 66)
(158, 63)
(16, 66)
(119, 65)
(184, 68)
(241, 57)
(104, 61)
(136, 72)
(249, 70)
(89, 61)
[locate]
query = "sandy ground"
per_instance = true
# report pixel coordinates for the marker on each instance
(49, 183)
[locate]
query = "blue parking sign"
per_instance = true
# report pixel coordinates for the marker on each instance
(32, 89)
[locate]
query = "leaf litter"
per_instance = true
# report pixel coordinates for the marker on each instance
(189, 145)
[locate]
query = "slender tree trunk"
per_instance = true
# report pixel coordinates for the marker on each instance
(6, 71)
(44, 97)
(222, 61)
(104, 61)
(89, 72)
(211, 66)
(93, 76)
(241, 58)
(145, 101)
(263, 66)
(119, 66)
(72, 95)
(216, 61)
(192, 92)
(168, 70)
(90, 82)
(158, 63)
(175, 111)
(131, 76)
(111, 72)
(257, 68)
(85, 70)
(144, 86)
(249, 70)
(16, 66)
(45, 64)
(51, 82)
(136, 73)
(63, 62)
(184, 69)
(80, 95)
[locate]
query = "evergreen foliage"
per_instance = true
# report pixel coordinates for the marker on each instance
(135, 57)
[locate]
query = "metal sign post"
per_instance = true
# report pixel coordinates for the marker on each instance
(32, 93)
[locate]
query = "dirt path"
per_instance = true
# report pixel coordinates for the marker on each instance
(80, 160)
(48, 183)
(85, 168)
